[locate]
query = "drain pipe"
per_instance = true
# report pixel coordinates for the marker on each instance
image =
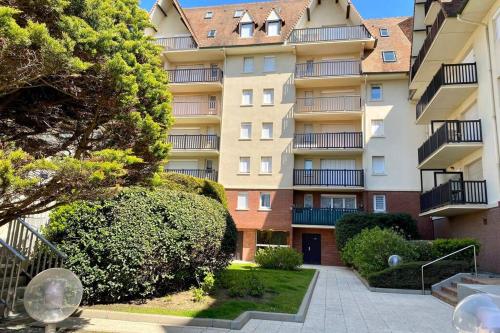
(492, 85)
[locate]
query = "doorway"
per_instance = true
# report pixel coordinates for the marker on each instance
(311, 248)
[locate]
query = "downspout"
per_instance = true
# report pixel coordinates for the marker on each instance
(492, 85)
(365, 105)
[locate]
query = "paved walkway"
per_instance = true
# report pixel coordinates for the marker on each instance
(340, 304)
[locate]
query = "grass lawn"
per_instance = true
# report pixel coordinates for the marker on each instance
(284, 291)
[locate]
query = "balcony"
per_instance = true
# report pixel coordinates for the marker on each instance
(198, 173)
(450, 143)
(197, 110)
(432, 8)
(327, 73)
(328, 108)
(195, 79)
(330, 40)
(319, 217)
(177, 43)
(328, 179)
(200, 145)
(449, 88)
(453, 198)
(325, 143)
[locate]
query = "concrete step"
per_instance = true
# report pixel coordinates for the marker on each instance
(23, 281)
(483, 281)
(19, 293)
(445, 297)
(450, 291)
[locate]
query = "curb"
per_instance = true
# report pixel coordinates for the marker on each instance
(389, 290)
(236, 324)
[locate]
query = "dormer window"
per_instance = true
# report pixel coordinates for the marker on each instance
(212, 33)
(273, 24)
(247, 26)
(209, 15)
(238, 12)
(384, 32)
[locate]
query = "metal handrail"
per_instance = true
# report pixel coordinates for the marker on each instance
(446, 256)
(43, 239)
(12, 263)
(12, 250)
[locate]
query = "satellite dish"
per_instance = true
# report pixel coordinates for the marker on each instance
(52, 296)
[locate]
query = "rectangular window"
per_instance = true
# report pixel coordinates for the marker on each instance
(267, 131)
(378, 165)
(246, 30)
(389, 56)
(273, 28)
(248, 65)
(211, 33)
(269, 64)
(308, 201)
(247, 97)
(375, 92)
(244, 164)
(268, 97)
(238, 12)
(267, 238)
(384, 32)
(379, 204)
(242, 201)
(209, 15)
(266, 165)
(246, 131)
(377, 128)
(265, 201)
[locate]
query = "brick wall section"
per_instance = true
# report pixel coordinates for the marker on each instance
(329, 254)
(483, 226)
(249, 239)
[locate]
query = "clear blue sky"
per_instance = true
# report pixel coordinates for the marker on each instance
(368, 8)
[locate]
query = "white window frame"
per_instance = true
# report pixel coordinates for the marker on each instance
(375, 209)
(261, 207)
(251, 24)
(243, 94)
(268, 92)
(244, 159)
(248, 127)
(239, 13)
(372, 99)
(377, 173)
(384, 32)
(270, 130)
(267, 65)
(268, 30)
(242, 195)
(212, 33)
(269, 170)
(248, 65)
(209, 15)
(343, 197)
(384, 53)
(378, 131)
(257, 245)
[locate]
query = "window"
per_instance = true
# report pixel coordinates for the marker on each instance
(384, 32)
(267, 131)
(338, 202)
(247, 97)
(378, 165)
(274, 28)
(212, 33)
(389, 56)
(268, 97)
(308, 201)
(209, 164)
(247, 65)
(212, 102)
(238, 12)
(376, 92)
(266, 165)
(246, 30)
(377, 128)
(209, 15)
(244, 164)
(265, 201)
(267, 238)
(379, 204)
(269, 64)
(246, 131)
(242, 201)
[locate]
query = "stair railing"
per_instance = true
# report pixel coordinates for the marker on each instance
(11, 263)
(446, 256)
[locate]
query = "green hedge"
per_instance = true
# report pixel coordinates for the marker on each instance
(443, 247)
(142, 243)
(279, 258)
(408, 275)
(352, 224)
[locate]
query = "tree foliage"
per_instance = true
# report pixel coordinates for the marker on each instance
(84, 104)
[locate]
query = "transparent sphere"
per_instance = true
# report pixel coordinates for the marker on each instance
(394, 260)
(53, 295)
(479, 313)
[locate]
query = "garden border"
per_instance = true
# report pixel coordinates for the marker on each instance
(236, 324)
(389, 290)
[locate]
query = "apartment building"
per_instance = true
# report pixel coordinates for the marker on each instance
(454, 83)
(300, 109)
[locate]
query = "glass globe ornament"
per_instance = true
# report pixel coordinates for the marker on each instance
(394, 260)
(479, 313)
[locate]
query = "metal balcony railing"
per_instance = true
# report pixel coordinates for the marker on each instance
(177, 43)
(453, 131)
(454, 192)
(194, 142)
(195, 75)
(329, 34)
(320, 216)
(342, 140)
(200, 107)
(328, 104)
(329, 177)
(198, 173)
(328, 68)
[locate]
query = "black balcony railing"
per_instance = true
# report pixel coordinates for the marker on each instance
(340, 178)
(195, 75)
(453, 131)
(328, 104)
(448, 75)
(177, 43)
(329, 34)
(199, 173)
(328, 68)
(343, 140)
(320, 216)
(194, 142)
(454, 192)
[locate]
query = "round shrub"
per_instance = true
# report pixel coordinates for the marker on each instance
(368, 252)
(143, 243)
(279, 258)
(352, 224)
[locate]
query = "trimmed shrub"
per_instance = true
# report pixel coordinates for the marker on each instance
(369, 251)
(143, 243)
(241, 285)
(408, 275)
(443, 247)
(352, 224)
(279, 258)
(422, 250)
